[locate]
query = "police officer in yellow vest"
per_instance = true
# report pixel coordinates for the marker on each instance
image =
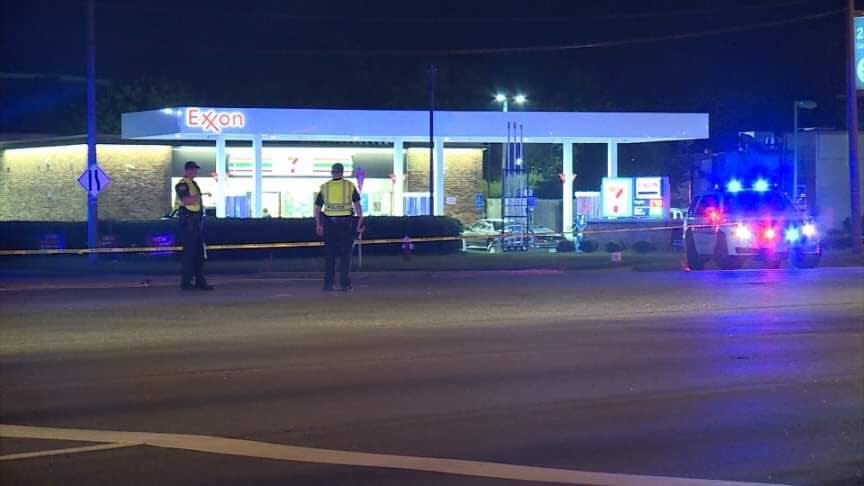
(191, 213)
(338, 218)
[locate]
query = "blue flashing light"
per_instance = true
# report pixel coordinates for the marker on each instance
(792, 234)
(761, 185)
(734, 186)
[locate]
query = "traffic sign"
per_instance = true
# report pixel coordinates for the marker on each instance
(479, 201)
(360, 174)
(94, 180)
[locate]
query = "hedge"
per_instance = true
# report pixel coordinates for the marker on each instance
(30, 235)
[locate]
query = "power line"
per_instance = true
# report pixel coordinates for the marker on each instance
(358, 19)
(527, 49)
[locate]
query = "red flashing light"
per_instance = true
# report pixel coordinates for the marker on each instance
(769, 234)
(713, 215)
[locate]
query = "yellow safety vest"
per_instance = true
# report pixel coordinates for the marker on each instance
(337, 197)
(193, 191)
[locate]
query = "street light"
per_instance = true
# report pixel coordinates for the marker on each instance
(804, 105)
(502, 98)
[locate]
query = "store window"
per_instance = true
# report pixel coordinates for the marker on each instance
(416, 204)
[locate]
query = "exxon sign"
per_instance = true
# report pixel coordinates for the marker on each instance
(214, 121)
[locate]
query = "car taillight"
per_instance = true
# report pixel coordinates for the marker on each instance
(714, 215)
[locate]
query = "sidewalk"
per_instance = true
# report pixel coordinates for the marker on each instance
(18, 268)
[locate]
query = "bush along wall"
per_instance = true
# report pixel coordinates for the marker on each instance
(30, 235)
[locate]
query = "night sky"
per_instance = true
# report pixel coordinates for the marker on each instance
(373, 54)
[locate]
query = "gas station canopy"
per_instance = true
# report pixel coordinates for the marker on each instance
(199, 123)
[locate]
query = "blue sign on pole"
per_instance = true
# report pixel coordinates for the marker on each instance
(859, 53)
(479, 202)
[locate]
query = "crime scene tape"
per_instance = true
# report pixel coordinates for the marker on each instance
(242, 246)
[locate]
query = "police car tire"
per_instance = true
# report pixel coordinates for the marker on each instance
(721, 254)
(694, 261)
(802, 260)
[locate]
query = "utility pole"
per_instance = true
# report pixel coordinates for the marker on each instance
(430, 83)
(92, 206)
(852, 122)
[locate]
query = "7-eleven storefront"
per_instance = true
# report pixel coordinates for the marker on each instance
(292, 176)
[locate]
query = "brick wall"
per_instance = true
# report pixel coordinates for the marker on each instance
(41, 184)
(463, 179)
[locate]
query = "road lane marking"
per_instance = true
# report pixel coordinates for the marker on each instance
(71, 450)
(282, 452)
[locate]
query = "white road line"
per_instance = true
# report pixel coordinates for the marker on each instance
(264, 450)
(57, 452)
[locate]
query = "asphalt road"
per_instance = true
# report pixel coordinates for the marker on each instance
(753, 376)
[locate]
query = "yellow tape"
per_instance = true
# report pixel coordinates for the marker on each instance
(244, 246)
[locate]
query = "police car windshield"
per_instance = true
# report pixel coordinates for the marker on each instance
(755, 202)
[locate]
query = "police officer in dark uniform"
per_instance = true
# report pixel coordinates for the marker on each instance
(191, 213)
(338, 218)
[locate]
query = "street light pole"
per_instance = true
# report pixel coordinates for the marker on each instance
(430, 73)
(852, 121)
(795, 156)
(92, 201)
(807, 105)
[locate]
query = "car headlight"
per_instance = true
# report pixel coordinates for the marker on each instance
(742, 232)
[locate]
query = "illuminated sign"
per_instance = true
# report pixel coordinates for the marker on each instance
(617, 193)
(859, 53)
(214, 121)
(649, 188)
(289, 162)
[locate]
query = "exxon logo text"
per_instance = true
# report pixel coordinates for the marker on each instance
(214, 121)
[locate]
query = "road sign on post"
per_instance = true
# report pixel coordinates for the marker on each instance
(94, 180)
(360, 175)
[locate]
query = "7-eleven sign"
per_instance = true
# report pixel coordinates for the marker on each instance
(617, 197)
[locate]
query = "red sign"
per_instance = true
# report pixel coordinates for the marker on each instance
(214, 121)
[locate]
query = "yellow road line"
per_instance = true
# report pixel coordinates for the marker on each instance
(71, 450)
(264, 450)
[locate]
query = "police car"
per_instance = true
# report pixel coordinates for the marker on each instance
(749, 222)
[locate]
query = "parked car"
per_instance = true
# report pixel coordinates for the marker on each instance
(486, 234)
(174, 213)
(543, 237)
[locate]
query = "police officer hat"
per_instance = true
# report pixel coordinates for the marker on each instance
(191, 165)
(337, 167)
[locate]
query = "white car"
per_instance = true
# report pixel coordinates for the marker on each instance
(486, 233)
(733, 226)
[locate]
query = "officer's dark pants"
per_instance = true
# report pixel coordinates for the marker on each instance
(192, 239)
(338, 241)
